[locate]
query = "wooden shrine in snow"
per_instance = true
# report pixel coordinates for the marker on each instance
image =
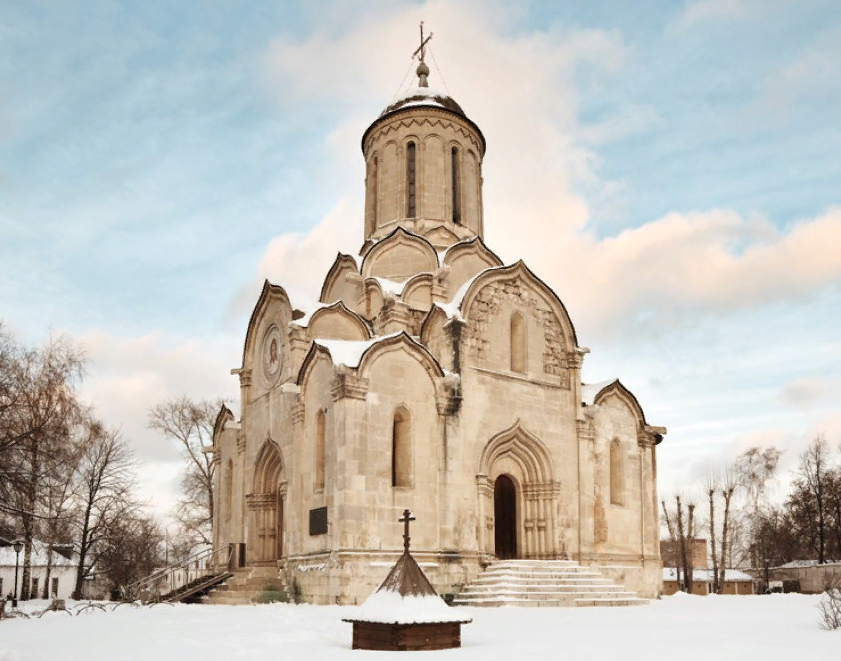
(405, 613)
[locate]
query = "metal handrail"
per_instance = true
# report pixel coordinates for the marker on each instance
(166, 580)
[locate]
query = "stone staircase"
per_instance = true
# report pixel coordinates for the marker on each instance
(245, 584)
(544, 583)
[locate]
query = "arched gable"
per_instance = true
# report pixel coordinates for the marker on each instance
(401, 342)
(619, 391)
(268, 468)
(342, 265)
(474, 246)
(315, 354)
(418, 291)
(337, 322)
(526, 275)
(401, 254)
(434, 337)
(524, 448)
(222, 418)
(441, 237)
(269, 294)
(615, 389)
(434, 320)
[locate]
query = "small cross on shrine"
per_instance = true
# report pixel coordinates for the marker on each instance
(407, 517)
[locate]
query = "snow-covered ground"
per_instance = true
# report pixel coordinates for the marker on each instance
(771, 628)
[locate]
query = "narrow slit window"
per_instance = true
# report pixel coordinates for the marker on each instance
(518, 343)
(456, 189)
(410, 180)
(616, 473)
(401, 449)
(320, 449)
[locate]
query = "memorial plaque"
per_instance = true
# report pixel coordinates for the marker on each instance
(318, 521)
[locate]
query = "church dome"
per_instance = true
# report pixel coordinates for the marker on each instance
(423, 96)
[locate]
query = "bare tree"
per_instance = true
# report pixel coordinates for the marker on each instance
(756, 468)
(38, 408)
(190, 425)
(727, 488)
(103, 491)
(807, 500)
(711, 488)
(131, 549)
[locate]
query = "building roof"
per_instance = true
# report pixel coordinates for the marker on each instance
(706, 575)
(39, 556)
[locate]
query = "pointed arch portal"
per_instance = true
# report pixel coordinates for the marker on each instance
(518, 497)
(505, 518)
(266, 505)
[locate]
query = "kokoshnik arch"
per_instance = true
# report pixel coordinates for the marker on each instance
(429, 376)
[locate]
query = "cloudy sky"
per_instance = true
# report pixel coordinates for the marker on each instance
(671, 169)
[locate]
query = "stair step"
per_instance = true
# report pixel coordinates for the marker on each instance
(544, 583)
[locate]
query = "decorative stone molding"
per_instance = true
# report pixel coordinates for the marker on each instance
(431, 120)
(298, 411)
(241, 443)
(244, 378)
(261, 501)
(648, 436)
(586, 431)
(346, 385)
(541, 491)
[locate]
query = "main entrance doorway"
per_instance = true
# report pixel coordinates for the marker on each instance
(505, 518)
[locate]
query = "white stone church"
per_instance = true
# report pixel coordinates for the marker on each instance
(434, 377)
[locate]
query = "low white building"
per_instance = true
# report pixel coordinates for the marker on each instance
(62, 578)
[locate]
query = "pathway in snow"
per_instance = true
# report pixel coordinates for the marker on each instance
(771, 628)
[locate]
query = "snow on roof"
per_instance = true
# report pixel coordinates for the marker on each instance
(453, 308)
(389, 607)
(39, 556)
(349, 352)
(706, 575)
(591, 390)
(418, 91)
(308, 313)
(391, 286)
(807, 563)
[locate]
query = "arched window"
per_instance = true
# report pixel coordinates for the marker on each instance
(456, 188)
(228, 491)
(616, 476)
(320, 423)
(518, 343)
(373, 194)
(410, 180)
(401, 449)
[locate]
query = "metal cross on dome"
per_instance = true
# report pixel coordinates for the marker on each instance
(407, 517)
(423, 42)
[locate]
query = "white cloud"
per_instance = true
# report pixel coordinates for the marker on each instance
(522, 91)
(808, 392)
(127, 376)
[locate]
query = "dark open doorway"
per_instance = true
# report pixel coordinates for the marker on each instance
(505, 518)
